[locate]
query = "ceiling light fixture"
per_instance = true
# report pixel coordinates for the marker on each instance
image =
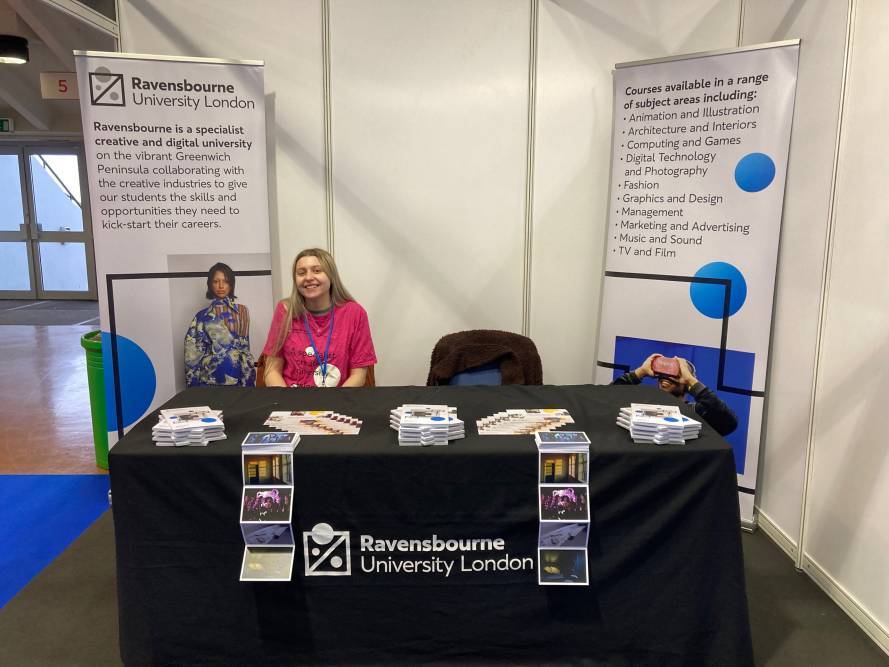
(13, 50)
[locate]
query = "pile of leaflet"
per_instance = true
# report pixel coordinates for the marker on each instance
(314, 422)
(425, 425)
(659, 424)
(523, 421)
(188, 427)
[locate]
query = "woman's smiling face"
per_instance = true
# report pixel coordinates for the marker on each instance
(312, 282)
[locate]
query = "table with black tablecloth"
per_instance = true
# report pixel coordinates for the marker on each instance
(665, 564)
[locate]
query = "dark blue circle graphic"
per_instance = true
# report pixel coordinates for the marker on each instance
(208, 419)
(754, 172)
(138, 380)
(709, 298)
(437, 419)
(670, 419)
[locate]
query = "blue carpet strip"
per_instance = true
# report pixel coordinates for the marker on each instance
(40, 515)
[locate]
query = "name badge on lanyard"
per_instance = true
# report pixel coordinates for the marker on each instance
(326, 375)
(332, 379)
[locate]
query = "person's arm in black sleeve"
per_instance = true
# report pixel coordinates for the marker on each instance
(629, 377)
(713, 409)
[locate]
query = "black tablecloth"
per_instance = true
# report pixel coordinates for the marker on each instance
(665, 563)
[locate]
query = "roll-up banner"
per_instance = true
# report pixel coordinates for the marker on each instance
(699, 158)
(176, 158)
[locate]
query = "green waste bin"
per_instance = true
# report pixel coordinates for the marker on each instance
(92, 343)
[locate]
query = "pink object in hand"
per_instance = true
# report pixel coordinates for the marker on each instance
(665, 366)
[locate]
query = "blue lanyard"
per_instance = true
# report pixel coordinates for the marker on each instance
(324, 356)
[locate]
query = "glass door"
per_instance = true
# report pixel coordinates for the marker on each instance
(17, 277)
(60, 234)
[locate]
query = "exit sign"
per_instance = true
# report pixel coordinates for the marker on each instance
(6, 125)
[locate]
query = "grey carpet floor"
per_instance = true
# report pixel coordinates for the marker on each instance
(68, 614)
(792, 620)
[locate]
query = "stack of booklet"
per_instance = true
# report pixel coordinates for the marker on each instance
(270, 442)
(562, 441)
(425, 425)
(659, 424)
(188, 427)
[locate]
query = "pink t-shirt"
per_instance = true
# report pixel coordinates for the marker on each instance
(350, 345)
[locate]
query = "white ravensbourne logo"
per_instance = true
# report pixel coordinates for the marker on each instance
(327, 552)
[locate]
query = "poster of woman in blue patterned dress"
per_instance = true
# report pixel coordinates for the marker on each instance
(217, 344)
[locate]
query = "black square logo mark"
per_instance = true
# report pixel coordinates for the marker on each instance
(106, 89)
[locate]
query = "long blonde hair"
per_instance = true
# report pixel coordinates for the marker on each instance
(294, 304)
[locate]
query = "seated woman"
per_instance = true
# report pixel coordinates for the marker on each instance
(320, 336)
(217, 345)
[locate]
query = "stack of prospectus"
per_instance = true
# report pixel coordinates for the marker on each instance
(188, 427)
(426, 425)
(658, 424)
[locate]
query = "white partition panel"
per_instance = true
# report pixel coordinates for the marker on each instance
(286, 34)
(429, 123)
(579, 43)
(846, 541)
(822, 28)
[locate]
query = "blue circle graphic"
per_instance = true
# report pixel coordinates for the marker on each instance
(709, 298)
(138, 380)
(754, 172)
(670, 419)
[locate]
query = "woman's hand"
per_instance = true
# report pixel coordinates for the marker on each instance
(274, 367)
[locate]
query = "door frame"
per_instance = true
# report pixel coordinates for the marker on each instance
(32, 233)
(23, 235)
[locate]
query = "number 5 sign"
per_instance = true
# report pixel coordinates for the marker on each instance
(58, 86)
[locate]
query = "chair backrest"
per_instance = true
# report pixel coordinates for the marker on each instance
(260, 371)
(487, 374)
(514, 355)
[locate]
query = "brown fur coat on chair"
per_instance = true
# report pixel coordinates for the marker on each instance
(457, 352)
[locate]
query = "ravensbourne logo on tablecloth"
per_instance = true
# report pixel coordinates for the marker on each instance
(327, 553)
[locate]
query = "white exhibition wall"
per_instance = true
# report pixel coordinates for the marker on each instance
(427, 215)
(847, 531)
(429, 114)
